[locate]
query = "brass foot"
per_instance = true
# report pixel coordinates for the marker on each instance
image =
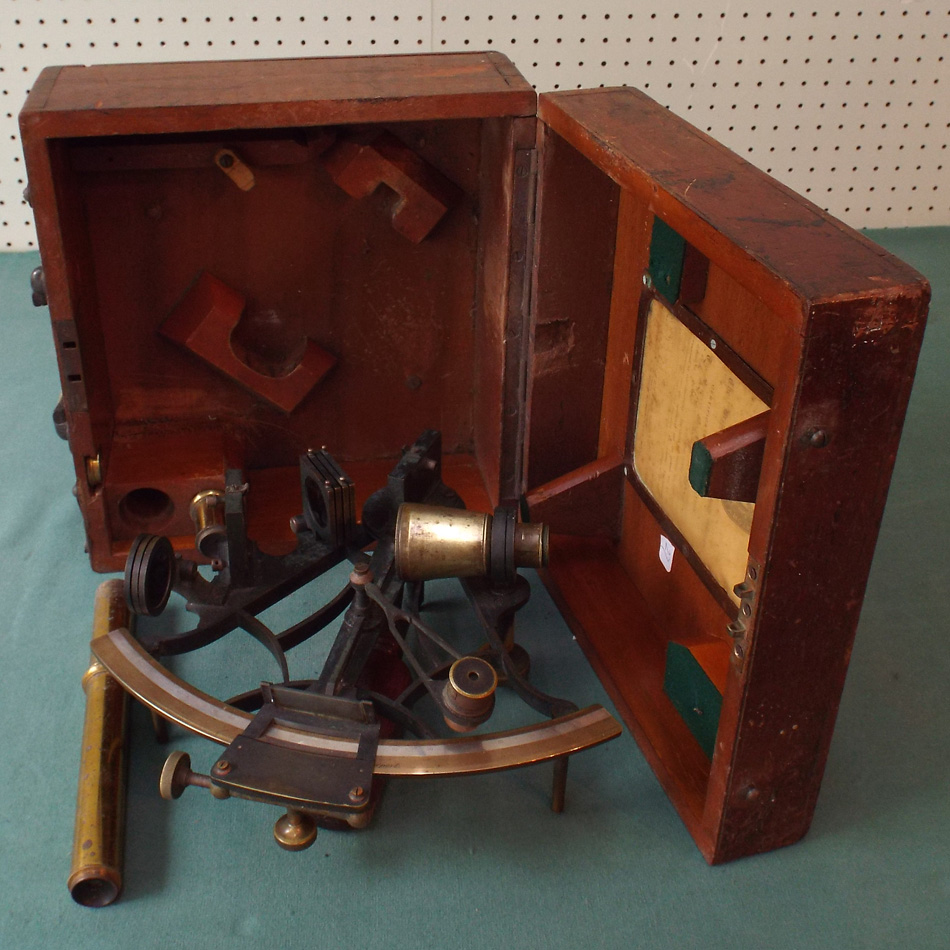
(295, 831)
(559, 787)
(160, 728)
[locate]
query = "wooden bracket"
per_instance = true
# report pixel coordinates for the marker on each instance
(203, 323)
(425, 194)
(585, 502)
(727, 464)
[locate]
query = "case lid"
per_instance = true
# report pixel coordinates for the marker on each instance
(687, 307)
(786, 248)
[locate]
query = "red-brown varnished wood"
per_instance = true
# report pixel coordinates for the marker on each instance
(732, 458)
(152, 98)
(634, 222)
(835, 480)
(359, 165)
(778, 245)
(679, 602)
(811, 308)
(313, 264)
(747, 325)
(131, 208)
(499, 353)
(577, 213)
(587, 501)
(628, 651)
(204, 323)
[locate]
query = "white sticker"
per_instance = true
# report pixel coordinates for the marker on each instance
(666, 553)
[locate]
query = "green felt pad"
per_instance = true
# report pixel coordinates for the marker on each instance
(700, 468)
(667, 249)
(693, 694)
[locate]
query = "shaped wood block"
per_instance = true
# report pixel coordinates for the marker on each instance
(425, 194)
(203, 323)
(727, 464)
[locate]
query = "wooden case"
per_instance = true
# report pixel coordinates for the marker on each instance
(583, 292)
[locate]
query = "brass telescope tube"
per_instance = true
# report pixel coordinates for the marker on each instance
(95, 874)
(432, 541)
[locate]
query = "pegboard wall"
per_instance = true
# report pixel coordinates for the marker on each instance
(841, 100)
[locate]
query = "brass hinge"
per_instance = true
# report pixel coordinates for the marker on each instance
(747, 592)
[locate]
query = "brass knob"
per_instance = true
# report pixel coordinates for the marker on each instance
(177, 776)
(469, 693)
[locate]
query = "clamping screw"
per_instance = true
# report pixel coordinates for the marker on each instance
(177, 776)
(361, 575)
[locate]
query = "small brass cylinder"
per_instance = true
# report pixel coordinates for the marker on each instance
(207, 512)
(469, 693)
(531, 545)
(441, 542)
(95, 877)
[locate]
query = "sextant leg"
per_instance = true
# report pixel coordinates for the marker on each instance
(559, 786)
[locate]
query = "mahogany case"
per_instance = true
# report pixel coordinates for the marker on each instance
(696, 377)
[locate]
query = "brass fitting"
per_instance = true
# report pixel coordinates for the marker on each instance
(450, 542)
(469, 693)
(207, 513)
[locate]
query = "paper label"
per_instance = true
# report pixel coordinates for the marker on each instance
(666, 553)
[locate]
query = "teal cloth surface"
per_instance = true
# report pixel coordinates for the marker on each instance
(479, 862)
